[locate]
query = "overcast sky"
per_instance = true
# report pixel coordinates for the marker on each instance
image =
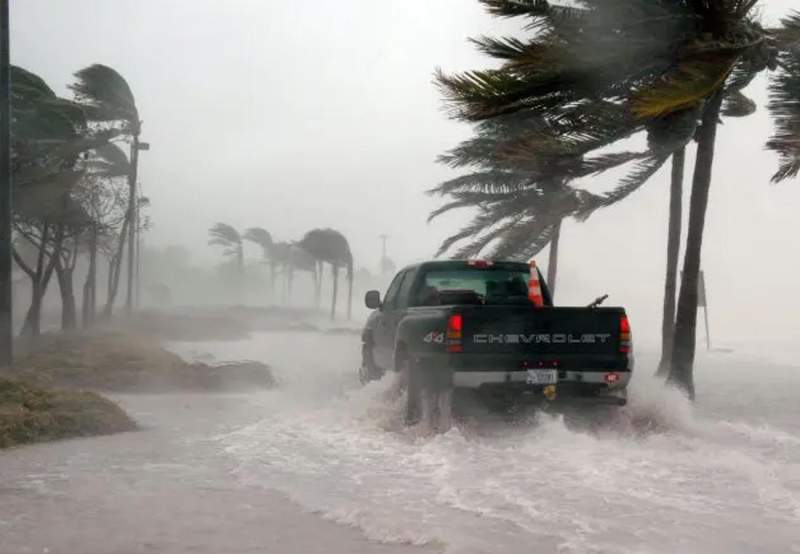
(296, 114)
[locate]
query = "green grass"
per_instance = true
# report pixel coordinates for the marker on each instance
(30, 413)
(124, 362)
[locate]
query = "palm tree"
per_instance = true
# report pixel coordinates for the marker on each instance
(50, 137)
(226, 236)
(331, 246)
(107, 98)
(262, 238)
(522, 185)
(103, 165)
(674, 227)
(657, 59)
(289, 257)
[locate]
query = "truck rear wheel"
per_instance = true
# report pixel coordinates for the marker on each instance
(368, 370)
(412, 376)
(429, 397)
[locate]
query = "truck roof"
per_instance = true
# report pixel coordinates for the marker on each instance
(455, 264)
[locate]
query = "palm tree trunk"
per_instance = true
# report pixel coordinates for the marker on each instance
(335, 291)
(289, 284)
(350, 291)
(683, 349)
(115, 269)
(319, 284)
(673, 251)
(552, 262)
(132, 227)
(89, 304)
(272, 281)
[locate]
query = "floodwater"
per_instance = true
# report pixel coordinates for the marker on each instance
(661, 477)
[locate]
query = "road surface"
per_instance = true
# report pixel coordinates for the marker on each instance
(322, 465)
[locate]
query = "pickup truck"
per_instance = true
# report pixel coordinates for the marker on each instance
(471, 325)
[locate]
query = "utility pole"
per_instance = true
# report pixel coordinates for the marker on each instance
(133, 207)
(6, 321)
(138, 293)
(383, 238)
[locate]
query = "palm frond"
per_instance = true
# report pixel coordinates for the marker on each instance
(259, 236)
(486, 181)
(787, 35)
(645, 169)
(479, 242)
(524, 240)
(784, 105)
(109, 160)
(224, 235)
(106, 95)
(685, 87)
(517, 8)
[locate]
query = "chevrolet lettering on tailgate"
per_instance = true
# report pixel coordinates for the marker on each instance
(555, 338)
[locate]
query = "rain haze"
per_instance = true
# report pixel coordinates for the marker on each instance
(314, 114)
(293, 115)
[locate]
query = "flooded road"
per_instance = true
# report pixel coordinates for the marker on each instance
(661, 477)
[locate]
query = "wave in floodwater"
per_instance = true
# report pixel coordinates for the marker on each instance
(657, 477)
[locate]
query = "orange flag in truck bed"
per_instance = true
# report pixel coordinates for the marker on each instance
(535, 288)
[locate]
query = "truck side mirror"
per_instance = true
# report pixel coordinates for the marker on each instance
(373, 300)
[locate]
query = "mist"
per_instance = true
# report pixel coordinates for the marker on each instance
(231, 378)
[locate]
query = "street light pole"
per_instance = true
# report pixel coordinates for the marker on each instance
(6, 321)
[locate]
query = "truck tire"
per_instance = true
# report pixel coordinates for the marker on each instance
(429, 397)
(412, 376)
(368, 370)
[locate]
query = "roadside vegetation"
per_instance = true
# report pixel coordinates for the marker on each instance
(122, 362)
(30, 413)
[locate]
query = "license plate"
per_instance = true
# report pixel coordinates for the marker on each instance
(542, 377)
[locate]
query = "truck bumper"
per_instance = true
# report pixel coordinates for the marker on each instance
(596, 384)
(574, 387)
(477, 379)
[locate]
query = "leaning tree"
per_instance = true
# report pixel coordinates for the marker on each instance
(331, 246)
(656, 59)
(222, 234)
(107, 100)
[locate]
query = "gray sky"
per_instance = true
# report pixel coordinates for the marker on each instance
(298, 114)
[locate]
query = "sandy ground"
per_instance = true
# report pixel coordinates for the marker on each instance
(166, 489)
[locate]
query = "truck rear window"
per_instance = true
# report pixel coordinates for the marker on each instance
(473, 286)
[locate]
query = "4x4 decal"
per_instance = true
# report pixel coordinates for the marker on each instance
(434, 337)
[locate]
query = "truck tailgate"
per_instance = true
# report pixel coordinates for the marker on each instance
(525, 330)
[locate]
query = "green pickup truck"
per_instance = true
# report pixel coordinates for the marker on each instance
(471, 325)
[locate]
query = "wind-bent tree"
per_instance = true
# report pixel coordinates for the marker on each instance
(107, 99)
(656, 59)
(262, 238)
(331, 246)
(287, 258)
(100, 196)
(522, 170)
(49, 138)
(229, 238)
(674, 227)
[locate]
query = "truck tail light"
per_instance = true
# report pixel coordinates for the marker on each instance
(624, 334)
(480, 264)
(612, 378)
(455, 328)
